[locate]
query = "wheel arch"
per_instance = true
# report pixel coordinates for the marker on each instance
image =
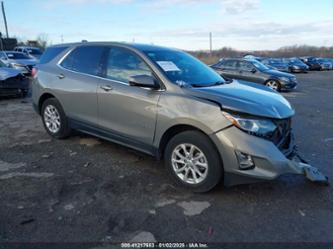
(176, 129)
(42, 99)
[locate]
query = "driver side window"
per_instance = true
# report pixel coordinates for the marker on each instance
(122, 64)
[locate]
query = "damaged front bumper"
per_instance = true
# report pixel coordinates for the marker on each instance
(269, 161)
(14, 86)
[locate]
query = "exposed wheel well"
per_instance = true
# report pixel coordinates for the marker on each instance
(44, 97)
(171, 132)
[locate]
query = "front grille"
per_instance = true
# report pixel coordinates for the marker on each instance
(282, 136)
(15, 82)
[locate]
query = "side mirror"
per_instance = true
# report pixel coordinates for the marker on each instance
(142, 81)
(253, 70)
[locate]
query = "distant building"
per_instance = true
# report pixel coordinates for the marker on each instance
(8, 43)
(32, 43)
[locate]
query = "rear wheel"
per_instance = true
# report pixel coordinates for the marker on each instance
(54, 119)
(273, 84)
(193, 161)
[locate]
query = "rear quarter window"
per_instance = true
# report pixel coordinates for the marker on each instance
(85, 59)
(50, 54)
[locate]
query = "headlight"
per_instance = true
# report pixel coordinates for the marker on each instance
(17, 65)
(261, 127)
(284, 79)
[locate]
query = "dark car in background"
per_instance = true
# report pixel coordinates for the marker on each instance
(325, 64)
(312, 63)
(18, 60)
(296, 65)
(276, 63)
(255, 71)
(12, 82)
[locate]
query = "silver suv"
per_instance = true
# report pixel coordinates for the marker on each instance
(168, 104)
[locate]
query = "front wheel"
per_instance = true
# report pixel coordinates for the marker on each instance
(193, 161)
(54, 119)
(273, 84)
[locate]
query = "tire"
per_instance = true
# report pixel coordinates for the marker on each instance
(273, 84)
(52, 112)
(210, 175)
(24, 93)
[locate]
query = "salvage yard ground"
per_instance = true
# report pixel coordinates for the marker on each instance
(86, 189)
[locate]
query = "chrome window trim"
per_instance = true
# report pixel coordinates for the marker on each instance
(95, 76)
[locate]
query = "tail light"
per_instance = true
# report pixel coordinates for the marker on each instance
(34, 72)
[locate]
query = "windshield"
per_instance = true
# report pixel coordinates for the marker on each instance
(259, 65)
(182, 68)
(15, 56)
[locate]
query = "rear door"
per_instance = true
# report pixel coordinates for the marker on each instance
(128, 112)
(76, 83)
(228, 69)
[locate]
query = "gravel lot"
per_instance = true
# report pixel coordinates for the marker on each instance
(85, 189)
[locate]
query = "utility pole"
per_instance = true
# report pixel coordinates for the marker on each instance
(210, 43)
(4, 18)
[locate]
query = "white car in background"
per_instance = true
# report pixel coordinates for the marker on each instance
(19, 61)
(12, 82)
(31, 51)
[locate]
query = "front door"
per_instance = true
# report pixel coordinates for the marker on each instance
(128, 112)
(248, 72)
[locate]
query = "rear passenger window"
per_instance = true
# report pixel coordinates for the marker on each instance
(50, 53)
(229, 64)
(122, 64)
(85, 60)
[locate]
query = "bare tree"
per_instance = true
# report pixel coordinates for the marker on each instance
(42, 40)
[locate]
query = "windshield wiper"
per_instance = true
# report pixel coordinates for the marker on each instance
(217, 83)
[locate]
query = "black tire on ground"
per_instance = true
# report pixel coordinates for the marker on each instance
(203, 142)
(64, 130)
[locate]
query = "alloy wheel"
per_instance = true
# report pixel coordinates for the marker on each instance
(189, 163)
(273, 85)
(52, 119)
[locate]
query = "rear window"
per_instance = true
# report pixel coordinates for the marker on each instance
(50, 54)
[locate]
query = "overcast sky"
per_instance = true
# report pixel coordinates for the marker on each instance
(185, 24)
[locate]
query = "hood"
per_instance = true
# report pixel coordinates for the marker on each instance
(279, 64)
(6, 73)
(299, 64)
(25, 62)
(279, 73)
(257, 101)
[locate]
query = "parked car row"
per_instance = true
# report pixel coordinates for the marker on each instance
(296, 64)
(15, 68)
(272, 72)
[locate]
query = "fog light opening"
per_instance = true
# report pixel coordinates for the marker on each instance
(245, 161)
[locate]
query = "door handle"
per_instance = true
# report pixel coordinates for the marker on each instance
(61, 76)
(106, 88)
